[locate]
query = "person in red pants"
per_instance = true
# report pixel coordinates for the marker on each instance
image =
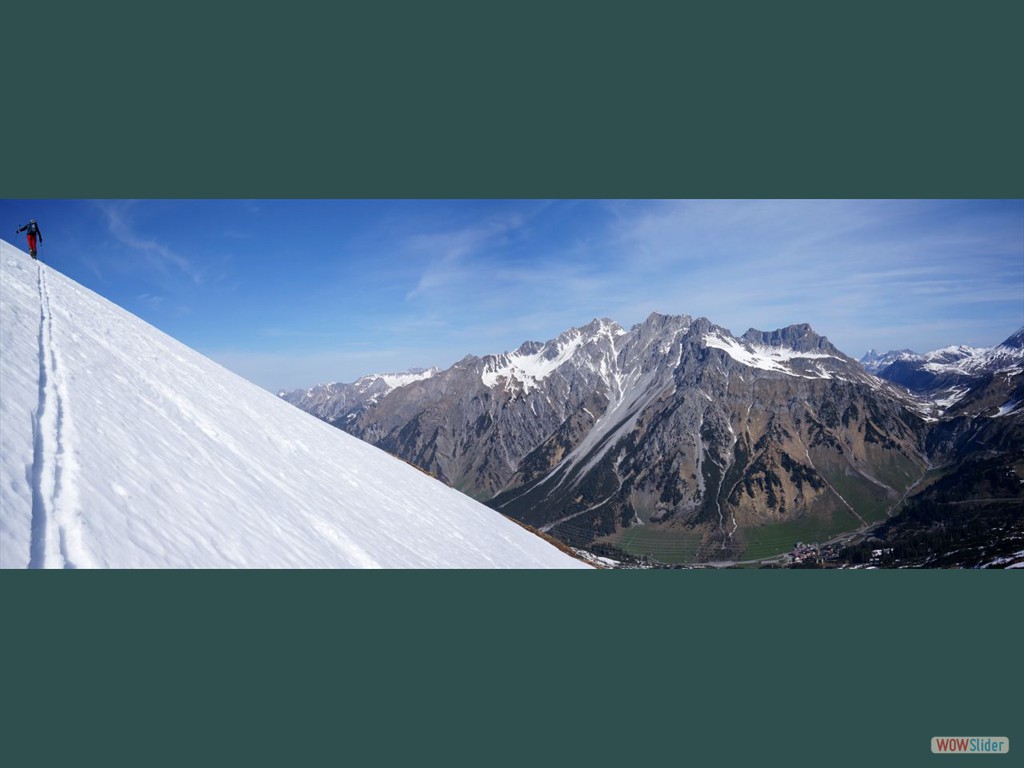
(33, 234)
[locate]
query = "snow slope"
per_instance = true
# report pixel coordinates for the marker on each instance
(120, 447)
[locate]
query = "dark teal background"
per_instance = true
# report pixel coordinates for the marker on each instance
(558, 99)
(461, 668)
(538, 100)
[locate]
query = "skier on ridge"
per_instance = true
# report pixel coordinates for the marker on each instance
(32, 234)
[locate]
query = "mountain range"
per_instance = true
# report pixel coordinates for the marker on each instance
(677, 440)
(945, 376)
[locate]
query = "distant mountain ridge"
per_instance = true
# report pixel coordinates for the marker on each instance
(945, 376)
(875, 362)
(330, 401)
(674, 437)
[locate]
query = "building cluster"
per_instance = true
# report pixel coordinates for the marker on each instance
(803, 554)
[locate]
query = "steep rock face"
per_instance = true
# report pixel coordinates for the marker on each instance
(674, 426)
(987, 416)
(799, 338)
(472, 424)
(744, 433)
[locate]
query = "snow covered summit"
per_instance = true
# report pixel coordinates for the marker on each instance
(120, 447)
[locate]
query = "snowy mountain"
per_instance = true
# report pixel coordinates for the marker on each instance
(935, 369)
(330, 401)
(674, 437)
(123, 448)
(874, 362)
(954, 375)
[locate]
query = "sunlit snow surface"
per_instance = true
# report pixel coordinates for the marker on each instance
(123, 448)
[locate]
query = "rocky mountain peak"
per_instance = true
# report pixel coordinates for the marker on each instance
(1016, 341)
(800, 337)
(600, 326)
(530, 347)
(656, 322)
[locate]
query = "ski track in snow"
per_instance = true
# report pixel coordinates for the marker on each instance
(56, 535)
(42, 430)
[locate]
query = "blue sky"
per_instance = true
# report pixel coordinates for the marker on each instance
(290, 293)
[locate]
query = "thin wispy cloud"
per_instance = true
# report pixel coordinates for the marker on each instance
(455, 257)
(152, 300)
(153, 252)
